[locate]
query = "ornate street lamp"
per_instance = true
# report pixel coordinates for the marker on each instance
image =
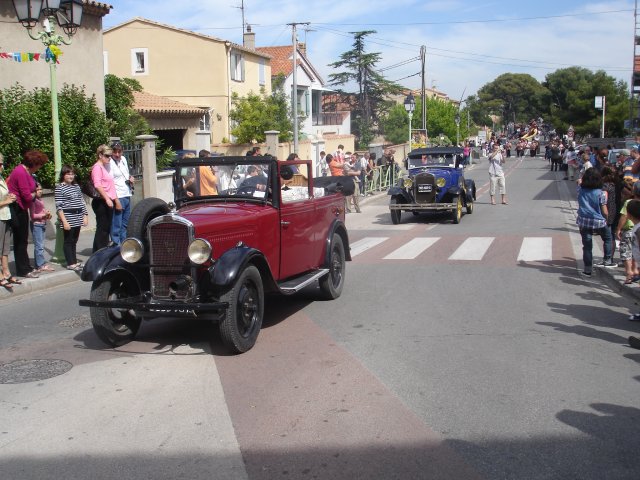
(68, 15)
(410, 106)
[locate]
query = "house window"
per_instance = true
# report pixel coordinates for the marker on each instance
(140, 61)
(205, 121)
(302, 99)
(261, 76)
(237, 67)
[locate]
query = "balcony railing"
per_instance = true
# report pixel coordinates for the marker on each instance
(327, 118)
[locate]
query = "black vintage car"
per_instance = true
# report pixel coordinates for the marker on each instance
(433, 181)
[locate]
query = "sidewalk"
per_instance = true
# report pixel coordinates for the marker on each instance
(61, 276)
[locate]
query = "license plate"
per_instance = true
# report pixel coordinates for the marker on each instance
(427, 187)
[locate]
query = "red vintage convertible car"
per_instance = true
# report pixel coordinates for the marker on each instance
(240, 227)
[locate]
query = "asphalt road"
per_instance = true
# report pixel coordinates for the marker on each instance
(483, 358)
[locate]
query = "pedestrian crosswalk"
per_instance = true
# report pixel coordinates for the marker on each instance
(471, 249)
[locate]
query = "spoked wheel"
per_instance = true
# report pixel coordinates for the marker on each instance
(395, 214)
(331, 284)
(243, 319)
(114, 326)
(457, 212)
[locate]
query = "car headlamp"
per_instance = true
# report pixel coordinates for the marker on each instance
(441, 182)
(131, 250)
(199, 251)
(408, 183)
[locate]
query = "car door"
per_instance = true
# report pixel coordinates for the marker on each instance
(298, 239)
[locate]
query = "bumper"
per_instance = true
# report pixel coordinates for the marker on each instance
(144, 306)
(423, 207)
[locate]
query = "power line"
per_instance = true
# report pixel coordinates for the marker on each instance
(490, 20)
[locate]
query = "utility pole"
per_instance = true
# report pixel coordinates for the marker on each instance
(423, 57)
(294, 93)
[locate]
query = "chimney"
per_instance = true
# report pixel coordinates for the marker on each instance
(249, 39)
(303, 48)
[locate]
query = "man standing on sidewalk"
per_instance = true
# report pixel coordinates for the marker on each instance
(124, 188)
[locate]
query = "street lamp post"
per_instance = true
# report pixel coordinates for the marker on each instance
(410, 106)
(68, 15)
(457, 128)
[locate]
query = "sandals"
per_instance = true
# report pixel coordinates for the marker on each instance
(628, 280)
(31, 274)
(6, 284)
(13, 280)
(46, 268)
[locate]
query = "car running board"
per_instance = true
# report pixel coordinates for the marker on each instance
(296, 284)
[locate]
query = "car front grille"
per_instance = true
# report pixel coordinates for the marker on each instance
(424, 188)
(168, 242)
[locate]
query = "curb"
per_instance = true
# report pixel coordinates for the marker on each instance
(48, 280)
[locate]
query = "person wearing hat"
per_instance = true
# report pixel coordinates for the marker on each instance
(124, 189)
(103, 205)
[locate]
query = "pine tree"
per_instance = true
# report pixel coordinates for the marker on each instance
(370, 101)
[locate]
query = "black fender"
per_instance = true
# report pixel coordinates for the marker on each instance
(401, 193)
(108, 260)
(471, 189)
(225, 270)
(101, 262)
(337, 227)
(454, 191)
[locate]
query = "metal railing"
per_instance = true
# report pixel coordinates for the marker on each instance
(381, 179)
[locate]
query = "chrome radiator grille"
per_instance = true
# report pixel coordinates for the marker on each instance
(168, 244)
(425, 188)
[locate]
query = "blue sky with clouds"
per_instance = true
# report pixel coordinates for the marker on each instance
(469, 43)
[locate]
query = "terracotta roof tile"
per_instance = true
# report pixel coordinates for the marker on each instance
(148, 103)
(280, 59)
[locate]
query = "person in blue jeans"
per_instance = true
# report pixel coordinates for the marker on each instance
(123, 181)
(39, 216)
(592, 219)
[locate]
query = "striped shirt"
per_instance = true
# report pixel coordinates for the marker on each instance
(70, 200)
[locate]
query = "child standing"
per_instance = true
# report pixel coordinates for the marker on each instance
(39, 216)
(592, 218)
(73, 214)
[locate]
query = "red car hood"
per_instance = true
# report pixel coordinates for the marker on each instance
(222, 217)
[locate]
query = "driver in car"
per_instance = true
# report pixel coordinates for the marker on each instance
(254, 179)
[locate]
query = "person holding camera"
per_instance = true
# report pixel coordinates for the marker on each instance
(124, 188)
(496, 175)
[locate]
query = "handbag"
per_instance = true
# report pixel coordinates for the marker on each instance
(89, 189)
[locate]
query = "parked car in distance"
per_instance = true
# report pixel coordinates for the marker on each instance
(434, 181)
(256, 228)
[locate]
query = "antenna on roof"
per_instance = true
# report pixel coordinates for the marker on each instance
(241, 8)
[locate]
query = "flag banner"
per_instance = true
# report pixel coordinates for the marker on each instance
(52, 54)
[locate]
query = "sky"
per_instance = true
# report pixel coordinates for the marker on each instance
(468, 43)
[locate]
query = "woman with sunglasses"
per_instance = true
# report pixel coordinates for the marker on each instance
(108, 200)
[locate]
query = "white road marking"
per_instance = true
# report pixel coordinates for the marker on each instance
(365, 244)
(535, 249)
(473, 248)
(412, 248)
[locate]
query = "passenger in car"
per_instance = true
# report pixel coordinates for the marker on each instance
(254, 179)
(208, 181)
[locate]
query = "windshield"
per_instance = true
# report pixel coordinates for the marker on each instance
(211, 177)
(437, 159)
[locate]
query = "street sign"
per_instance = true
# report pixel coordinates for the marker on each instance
(599, 102)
